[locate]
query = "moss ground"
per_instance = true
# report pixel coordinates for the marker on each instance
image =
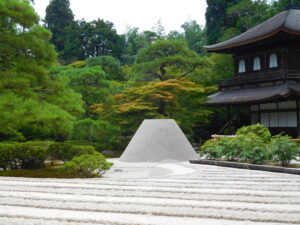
(47, 172)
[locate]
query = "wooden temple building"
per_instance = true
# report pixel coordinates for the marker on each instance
(267, 73)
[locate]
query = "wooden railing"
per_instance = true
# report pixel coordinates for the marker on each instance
(261, 77)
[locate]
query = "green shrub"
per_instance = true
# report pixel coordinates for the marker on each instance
(87, 164)
(80, 150)
(225, 147)
(253, 148)
(283, 149)
(245, 147)
(231, 147)
(97, 145)
(211, 149)
(258, 129)
(31, 155)
(6, 155)
(65, 151)
(60, 151)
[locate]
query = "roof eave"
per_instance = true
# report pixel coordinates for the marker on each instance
(230, 46)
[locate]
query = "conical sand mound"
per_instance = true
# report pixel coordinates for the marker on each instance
(157, 140)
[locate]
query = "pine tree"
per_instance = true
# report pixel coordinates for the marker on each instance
(59, 17)
(31, 101)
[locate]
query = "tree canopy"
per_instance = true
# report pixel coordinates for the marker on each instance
(31, 100)
(166, 59)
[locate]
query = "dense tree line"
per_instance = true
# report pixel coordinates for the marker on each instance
(100, 85)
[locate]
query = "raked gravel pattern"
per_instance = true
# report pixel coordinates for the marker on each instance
(167, 193)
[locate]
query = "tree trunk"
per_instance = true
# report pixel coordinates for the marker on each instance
(162, 108)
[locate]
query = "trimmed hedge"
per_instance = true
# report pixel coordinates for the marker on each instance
(32, 154)
(27, 155)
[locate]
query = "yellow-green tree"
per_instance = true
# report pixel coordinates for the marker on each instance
(179, 99)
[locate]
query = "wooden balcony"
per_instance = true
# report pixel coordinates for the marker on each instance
(259, 77)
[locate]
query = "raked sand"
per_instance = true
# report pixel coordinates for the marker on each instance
(166, 193)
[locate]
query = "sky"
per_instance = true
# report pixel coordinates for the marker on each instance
(144, 14)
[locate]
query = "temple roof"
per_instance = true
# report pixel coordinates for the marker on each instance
(253, 95)
(287, 21)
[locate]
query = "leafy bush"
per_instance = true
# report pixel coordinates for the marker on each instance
(246, 146)
(87, 164)
(211, 149)
(60, 151)
(283, 149)
(31, 155)
(66, 151)
(6, 155)
(27, 155)
(258, 129)
(231, 147)
(225, 147)
(80, 150)
(253, 148)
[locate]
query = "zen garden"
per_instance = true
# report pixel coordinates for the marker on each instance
(199, 125)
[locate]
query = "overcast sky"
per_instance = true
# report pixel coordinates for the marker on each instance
(136, 13)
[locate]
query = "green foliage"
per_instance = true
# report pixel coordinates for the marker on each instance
(59, 17)
(27, 155)
(32, 102)
(194, 35)
(87, 164)
(60, 151)
(110, 65)
(216, 67)
(278, 6)
(254, 144)
(99, 38)
(226, 19)
(245, 147)
(134, 42)
(166, 59)
(211, 149)
(32, 156)
(231, 147)
(248, 13)
(90, 82)
(105, 134)
(249, 145)
(257, 129)
(283, 149)
(6, 155)
(216, 18)
(65, 151)
(253, 148)
(80, 150)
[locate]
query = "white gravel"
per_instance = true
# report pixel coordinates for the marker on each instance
(175, 193)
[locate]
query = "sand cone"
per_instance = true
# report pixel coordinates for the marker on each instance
(157, 140)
